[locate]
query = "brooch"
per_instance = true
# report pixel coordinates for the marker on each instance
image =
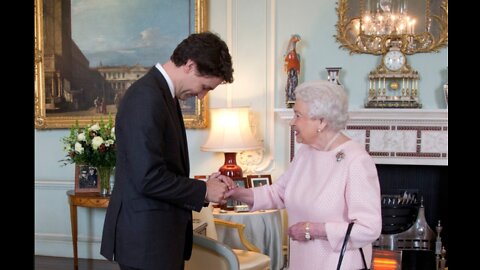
(340, 155)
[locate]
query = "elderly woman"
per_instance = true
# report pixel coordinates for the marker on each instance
(331, 181)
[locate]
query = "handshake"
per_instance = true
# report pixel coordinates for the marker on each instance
(219, 188)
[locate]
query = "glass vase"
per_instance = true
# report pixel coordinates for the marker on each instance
(105, 173)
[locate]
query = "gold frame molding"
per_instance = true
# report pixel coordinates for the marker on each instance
(424, 42)
(199, 119)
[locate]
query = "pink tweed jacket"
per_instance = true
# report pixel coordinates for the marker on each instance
(332, 187)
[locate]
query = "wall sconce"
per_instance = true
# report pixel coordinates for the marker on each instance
(368, 26)
(230, 133)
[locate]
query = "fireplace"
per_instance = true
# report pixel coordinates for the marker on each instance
(431, 184)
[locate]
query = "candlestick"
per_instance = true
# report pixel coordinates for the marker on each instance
(443, 261)
(438, 242)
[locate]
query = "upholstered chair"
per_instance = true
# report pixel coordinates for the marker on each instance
(249, 258)
(208, 253)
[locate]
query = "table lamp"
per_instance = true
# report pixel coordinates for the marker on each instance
(230, 133)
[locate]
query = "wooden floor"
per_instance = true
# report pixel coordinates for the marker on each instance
(61, 263)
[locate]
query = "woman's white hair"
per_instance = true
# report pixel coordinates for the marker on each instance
(326, 100)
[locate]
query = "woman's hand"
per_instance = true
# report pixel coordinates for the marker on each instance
(297, 231)
(241, 194)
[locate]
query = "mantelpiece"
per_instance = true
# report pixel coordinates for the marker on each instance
(395, 136)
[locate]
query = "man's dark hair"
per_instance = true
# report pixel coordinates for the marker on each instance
(209, 52)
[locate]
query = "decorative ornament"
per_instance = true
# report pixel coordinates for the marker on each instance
(292, 68)
(394, 83)
(334, 74)
(340, 155)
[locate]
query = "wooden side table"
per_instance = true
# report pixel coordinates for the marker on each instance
(89, 200)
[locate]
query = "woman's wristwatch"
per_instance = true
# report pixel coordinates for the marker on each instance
(307, 231)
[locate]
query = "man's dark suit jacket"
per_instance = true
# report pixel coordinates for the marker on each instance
(148, 224)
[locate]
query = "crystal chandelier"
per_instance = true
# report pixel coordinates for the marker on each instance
(389, 17)
(369, 26)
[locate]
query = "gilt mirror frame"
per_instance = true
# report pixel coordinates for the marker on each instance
(195, 112)
(422, 41)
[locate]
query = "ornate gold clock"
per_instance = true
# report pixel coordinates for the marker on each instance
(393, 84)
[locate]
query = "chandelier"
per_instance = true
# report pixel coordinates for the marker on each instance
(369, 26)
(384, 20)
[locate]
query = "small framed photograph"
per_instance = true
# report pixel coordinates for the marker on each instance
(201, 177)
(86, 179)
(239, 182)
(259, 180)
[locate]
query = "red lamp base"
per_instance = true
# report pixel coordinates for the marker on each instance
(230, 168)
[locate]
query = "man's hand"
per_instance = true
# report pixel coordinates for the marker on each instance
(217, 186)
(225, 179)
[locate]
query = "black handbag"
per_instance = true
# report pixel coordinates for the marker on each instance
(344, 247)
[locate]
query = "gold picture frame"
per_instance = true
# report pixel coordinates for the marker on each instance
(76, 103)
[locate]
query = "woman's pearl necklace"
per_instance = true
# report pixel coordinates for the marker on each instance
(327, 147)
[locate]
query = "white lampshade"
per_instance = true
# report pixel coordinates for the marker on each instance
(230, 131)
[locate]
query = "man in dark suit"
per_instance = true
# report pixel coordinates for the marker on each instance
(148, 224)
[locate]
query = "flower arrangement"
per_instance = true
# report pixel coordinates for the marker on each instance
(93, 144)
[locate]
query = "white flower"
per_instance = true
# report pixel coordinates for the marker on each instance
(67, 147)
(93, 144)
(109, 142)
(96, 142)
(95, 127)
(81, 137)
(79, 148)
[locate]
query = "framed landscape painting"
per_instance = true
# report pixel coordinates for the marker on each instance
(87, 54)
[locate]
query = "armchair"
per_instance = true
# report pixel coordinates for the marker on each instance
(249, 259)
(208, 253)
(241, 232)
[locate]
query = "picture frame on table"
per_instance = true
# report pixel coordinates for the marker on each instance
(87, 179)
(239, 182)
(259, 180)
(201, 177)
(84, 66)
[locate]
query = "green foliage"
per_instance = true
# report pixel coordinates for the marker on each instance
(93, 144)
